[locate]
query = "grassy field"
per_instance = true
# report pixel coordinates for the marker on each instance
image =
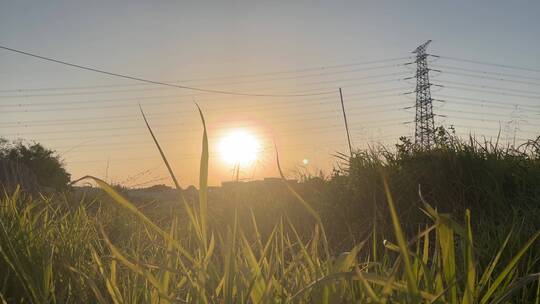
(366, 234)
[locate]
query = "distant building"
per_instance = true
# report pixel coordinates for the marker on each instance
(267, 181)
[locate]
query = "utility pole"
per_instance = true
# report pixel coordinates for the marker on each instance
(424, 134)
(346, 124)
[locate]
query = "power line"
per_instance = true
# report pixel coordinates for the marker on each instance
(159, 82)
(251, 108)
(482, 106)
(487, 63)
(196, 156)
(100, 136)
(61, 109)
(492, 78)
(485, 72)
(488, 101)
(148, 144)
(269, 148)
(486, 135)
(159, 88)
(526, 123)
(487, 128)
(491, 87)
(154, 81)
(479, 113)
(493, 92)
(177, 115)
(247, 81)
(183, 95)
(492, 104)
(293, 115)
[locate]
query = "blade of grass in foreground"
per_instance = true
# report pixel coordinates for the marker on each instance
(188, 209)
(203, 181)
(162, 153)
(508, 269)
(470, 268)
(306, 205)
(120, 200)
(402, 243)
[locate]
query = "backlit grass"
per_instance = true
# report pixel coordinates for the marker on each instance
(55, 249)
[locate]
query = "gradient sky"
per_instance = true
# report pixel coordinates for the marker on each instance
(211, 44)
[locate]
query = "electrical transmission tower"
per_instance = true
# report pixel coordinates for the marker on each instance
(424, 134)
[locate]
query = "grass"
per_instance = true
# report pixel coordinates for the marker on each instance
(106, 250)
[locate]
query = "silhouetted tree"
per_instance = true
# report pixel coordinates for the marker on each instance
(44, 163)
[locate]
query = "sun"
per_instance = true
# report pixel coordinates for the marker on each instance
(239, 147)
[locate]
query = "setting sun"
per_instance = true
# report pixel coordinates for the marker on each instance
(239, 147)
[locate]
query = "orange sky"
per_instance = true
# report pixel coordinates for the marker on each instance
(93, 120)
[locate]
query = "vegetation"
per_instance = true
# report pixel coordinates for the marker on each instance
(99, 249)
(499, 185)
(40, 163)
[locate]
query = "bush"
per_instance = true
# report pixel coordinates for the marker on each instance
(44, 163)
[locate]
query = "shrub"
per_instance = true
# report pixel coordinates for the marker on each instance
(44, 163)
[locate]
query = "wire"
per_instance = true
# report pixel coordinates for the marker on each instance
(484, 106)
(269, 148)
(482, 114)
(293, 115)
(487, 135)
(487, 63)
(484, 72)
(183, 95)
(50, 139)
(178, 114)
(247, 81)
(154, 81)
(493, 92)
(492, 78)
(490, 87)
(61, 109)
(148, 144)
(524, 122)
(159, 82)
(159, 88)
(492, 129)
(221, 110)
(515, 105)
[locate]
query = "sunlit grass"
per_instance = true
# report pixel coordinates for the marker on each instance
(52, 250)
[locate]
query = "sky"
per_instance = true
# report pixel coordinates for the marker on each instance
(258, 47)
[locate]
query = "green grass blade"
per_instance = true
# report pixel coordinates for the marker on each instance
(203, 181)
(509, 267)
(402, 243)
(305, 204)
(120, 200)
(188, 209)
(515, 287)
(448, 255)
(470, 264)
(163, 157)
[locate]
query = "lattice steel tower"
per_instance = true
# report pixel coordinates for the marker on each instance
(424, 134)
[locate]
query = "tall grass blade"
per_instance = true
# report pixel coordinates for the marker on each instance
(514, 288)
(402, 243)
(169, 168)
(203, 181)
(188, 209)
(310, 209)
(448, 255)
(508, 269)
(470, 264)
(120, 200)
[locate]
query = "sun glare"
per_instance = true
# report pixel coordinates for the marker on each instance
(239, 147)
